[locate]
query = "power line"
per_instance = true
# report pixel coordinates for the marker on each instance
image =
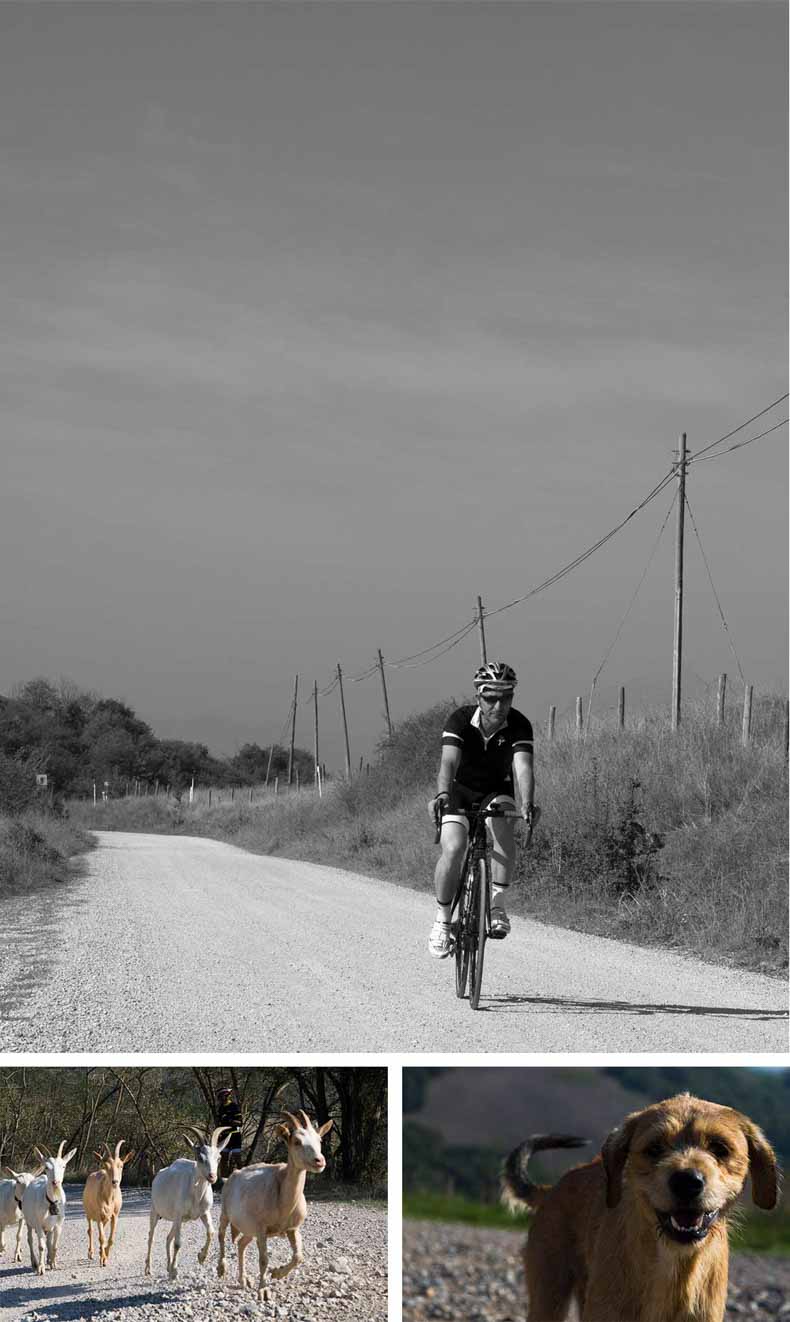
(585, 555)
(459, 633)
(721, 439)
(701, 458)
(637, 590)
(411, 665)
(715, 593)
(444, 645)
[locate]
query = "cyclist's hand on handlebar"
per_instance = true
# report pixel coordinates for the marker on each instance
(437, 804)
(530, 813)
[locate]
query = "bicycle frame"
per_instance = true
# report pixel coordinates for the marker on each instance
(472, 902)
(472, 905)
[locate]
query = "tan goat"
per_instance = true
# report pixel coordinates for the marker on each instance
(265, 1200)
(102, 1199)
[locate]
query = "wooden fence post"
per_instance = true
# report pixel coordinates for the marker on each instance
(578, 716)
(550, 727)
(747, 714)
(621, 709)
(720, 696)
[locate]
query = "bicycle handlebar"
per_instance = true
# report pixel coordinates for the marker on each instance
(494, 810)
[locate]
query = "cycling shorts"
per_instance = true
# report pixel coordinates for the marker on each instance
(462, 799)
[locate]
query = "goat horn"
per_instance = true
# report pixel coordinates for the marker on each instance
(306, 1119)
(44, 1149)
(292, 1119)
(118, 1146)
(62, 1146)
(221, 1129)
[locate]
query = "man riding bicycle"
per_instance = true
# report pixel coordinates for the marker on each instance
(483, 749)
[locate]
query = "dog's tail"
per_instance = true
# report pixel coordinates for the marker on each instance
(518, 1190)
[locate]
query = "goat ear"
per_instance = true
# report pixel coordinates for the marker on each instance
(40, 1156)
(325, 1128)
(615, 1154)
(14, 1174)
(762, 1165)
(69, 1156)
(284, 1132)
(190, 1142)
(127, 1157)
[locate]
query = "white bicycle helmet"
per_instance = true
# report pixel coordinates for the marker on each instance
(495, 677)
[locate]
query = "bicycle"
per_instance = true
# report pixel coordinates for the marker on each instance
(472, 904)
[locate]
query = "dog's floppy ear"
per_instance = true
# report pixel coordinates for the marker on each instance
(762, 1165)
(615, 1154)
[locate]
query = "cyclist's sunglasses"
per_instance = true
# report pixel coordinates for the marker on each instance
(493, 698)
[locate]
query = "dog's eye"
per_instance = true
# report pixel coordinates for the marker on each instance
(654, 1150)
(719, 1149)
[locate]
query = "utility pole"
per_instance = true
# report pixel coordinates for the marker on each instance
(293, 733)
(345, 722)
(386, 700)
(677, 656)
(481, 629)
(315, 734)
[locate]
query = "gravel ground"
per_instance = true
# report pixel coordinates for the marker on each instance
(342, 1279)
(309, 972)
(462, 1272)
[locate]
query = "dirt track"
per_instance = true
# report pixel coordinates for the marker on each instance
(179, 944)
(454, 1271)
(343, 1277)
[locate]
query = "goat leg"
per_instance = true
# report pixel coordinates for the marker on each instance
(209, 1224)
(297, 1257)
(223, 1228)
(263, 1260)
(151, 1228)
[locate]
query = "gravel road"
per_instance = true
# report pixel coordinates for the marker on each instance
(180, 944)
(343, 1277)
(453, 1271)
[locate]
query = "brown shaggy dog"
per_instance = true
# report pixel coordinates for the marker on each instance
(640, 1234)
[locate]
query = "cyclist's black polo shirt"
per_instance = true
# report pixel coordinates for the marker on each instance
(487, 764)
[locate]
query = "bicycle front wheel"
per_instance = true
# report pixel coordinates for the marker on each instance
(482, 893)
(464, 928)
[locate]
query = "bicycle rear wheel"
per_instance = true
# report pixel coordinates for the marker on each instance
(463, 929)
(482, 892)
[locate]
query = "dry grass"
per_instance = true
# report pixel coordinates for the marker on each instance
(35, 852)
(659, 838)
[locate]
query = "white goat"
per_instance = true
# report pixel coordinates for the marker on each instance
(265, 1200)
(44, 1207)
(11, 1192)
(183, 1191)
(102, 1199)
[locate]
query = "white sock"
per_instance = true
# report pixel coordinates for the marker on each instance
(498, 896)
(443, 912)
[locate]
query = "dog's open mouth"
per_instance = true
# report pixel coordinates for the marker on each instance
(686, 1226)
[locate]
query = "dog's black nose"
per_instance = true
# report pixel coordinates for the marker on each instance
(686, 1185)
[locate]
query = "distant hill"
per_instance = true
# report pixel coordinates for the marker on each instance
(479, 1114)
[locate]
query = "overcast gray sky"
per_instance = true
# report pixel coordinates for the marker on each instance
(321, 319)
